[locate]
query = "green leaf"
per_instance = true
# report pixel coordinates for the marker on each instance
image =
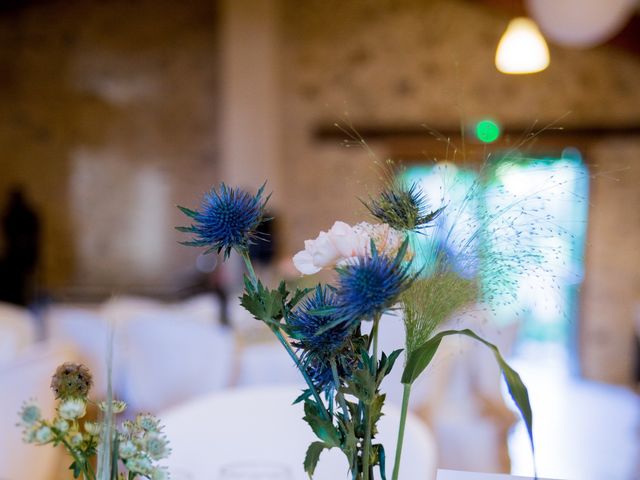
(185, 229)
(264, 304)
(419, 359)
(349, 445)
(322, 427)
(376, 412)
(362, 384)
(77, 469)
(402, 251)
(386, 364)
(188, 212)
(422, 356)
(303, 396)
(381, 460)
(312, 457)
(298, 295)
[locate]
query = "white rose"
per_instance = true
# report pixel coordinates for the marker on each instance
(344, 242)
(386, 239)
(330, 248)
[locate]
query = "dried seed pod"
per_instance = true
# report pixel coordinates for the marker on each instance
(71, 380)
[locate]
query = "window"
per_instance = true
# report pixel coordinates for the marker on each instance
(518, 226)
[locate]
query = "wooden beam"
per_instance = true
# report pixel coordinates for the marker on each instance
(415, 144)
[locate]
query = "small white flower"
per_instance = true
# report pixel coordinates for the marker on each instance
(62, 426)
(72, 408)
(29, 435)
(127, 428)
(127, 449)
(44, 435)
(76, 439)
(160, 473)
(92, 428)
(156, 446)
(139, 464)
(117, 406)
(148, 422)
(30, 413)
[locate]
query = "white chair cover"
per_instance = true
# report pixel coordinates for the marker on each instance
(463, 395)
(172, 358)
(259, 425)
(204, 307)
(266, 363)
(240, 319)
(29, 377)
(17, 331)
(122, 308)
(391, 336)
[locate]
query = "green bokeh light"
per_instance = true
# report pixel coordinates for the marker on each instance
(487, 131)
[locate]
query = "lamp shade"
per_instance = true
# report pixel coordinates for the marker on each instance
(581, 23)
(522, 48)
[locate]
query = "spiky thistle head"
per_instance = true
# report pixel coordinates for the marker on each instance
(71, 380)
(371, 284)
(318, 329)
(228, 219)
(403, 207)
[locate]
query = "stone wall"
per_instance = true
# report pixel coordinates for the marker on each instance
(108, 117)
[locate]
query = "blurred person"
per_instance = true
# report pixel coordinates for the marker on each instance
(264, 248)
(21, 234)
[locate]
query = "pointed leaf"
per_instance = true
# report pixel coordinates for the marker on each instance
(402, 251)
(422, 356)
(312, 456)
(323, 428)
(188, 212)
(303, 396)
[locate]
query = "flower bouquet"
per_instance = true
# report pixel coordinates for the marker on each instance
(100, 451)
(331, 331)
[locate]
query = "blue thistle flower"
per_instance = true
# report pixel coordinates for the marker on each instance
(403, 207)
(318, 330)
(227, 219)
(372, 284)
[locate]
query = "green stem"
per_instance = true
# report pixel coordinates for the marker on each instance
(339, 395)
(302, 370)
(366, 447)
(276, 331)
(72, 452)
(403, 420)
(249, 265)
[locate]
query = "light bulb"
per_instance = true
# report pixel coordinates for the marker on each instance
(522, 48)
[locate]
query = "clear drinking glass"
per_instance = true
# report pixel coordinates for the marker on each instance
(254, 471)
